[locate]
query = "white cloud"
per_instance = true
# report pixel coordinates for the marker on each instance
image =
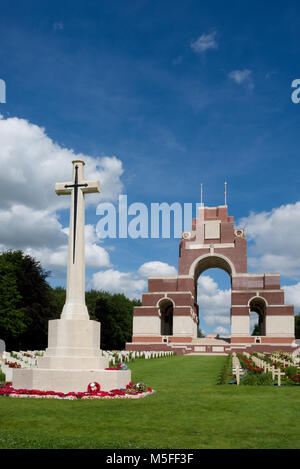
(205, 42)
(156, 269)
(242, 77)
(214, 306)
(206, 285)
(23, 226)
(118, 282)
(275, 241)
(95, 256)
(222, 331)
(56, 258)
(213, 302)
(292, 296)
(50, 259)
(32, 163)
(131, 284)
(211, 320)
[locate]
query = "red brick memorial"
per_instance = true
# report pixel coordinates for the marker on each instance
(168, 317)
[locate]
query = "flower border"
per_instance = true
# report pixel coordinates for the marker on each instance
(130, 392)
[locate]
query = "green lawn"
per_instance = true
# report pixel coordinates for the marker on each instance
(188, 411)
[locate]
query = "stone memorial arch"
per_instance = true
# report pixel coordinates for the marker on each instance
(168, 317)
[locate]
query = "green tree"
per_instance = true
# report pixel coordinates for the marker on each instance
(13, 318)
(26, 302)
(59, 298)
(91, 298)
(115, 312)
(256, 330)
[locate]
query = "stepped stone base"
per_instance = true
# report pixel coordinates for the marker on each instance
(73, 363)
(72, 360)
(69, 380)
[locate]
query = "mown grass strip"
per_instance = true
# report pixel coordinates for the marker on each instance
(188, 411)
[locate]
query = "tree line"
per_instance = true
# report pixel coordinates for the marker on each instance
(28, 302)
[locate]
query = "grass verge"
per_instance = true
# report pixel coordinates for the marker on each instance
(188, 411)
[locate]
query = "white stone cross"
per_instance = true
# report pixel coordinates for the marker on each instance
(279, 373)
(237, 374)
(75, 307)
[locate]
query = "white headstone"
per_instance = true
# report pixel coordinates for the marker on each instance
(2, 346)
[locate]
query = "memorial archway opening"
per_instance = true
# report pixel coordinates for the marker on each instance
(166, 317)
(258, 310)
(214, 302)
(212, 277)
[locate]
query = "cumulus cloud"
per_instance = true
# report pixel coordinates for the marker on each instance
(95, 256)
(118, 282)
(22, 226)
(56, 258)
(213, 302)
(292, 296)
(156, 269)
(275, 242)
(132, 284)
(211, 320)
(34, 163)
(205, 42)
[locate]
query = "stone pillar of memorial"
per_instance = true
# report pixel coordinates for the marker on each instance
(73, 358)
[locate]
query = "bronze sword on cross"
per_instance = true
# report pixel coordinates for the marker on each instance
(75, 186)
(76, 251)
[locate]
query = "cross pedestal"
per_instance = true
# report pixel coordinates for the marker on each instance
(73, 358)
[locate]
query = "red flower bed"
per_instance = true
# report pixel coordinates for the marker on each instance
(12, 364)
(249, 365)
(118, 367)
(130, 390)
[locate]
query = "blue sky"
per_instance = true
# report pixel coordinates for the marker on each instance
(180, 93)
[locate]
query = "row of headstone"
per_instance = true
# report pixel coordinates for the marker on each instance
(121, 356)
(237, 369)
(296, 354)
(22, 359)
(28, 359)
(279, 359)
(25, 359)
(268, 368)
